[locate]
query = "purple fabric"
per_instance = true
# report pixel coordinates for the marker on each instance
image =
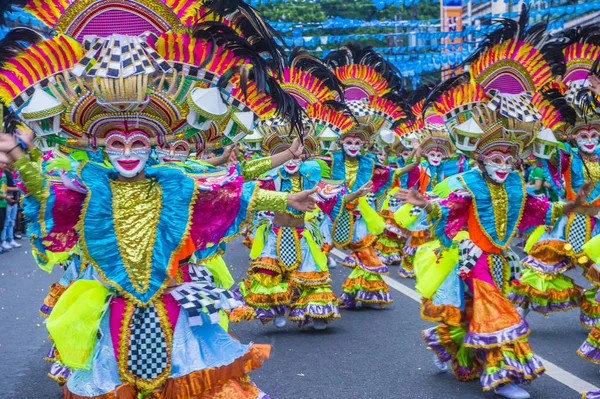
(548, 269)
(588, 321)
(515, 371)
(592, 395)
(519, 299)
(59, 372)
(389, 259)
(46, 310)
(433, 341)
(497, 338)
(402, 272)
(348, 301)
(353, 261)
(305, 316)
(589, 351)
(410, 250)
(266, 315)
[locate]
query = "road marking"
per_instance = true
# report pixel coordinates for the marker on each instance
(552, 370)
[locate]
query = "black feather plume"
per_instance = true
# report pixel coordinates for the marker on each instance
(16, 41)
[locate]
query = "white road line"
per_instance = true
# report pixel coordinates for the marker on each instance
(552, 370)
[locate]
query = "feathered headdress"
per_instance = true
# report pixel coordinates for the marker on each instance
(145, 64)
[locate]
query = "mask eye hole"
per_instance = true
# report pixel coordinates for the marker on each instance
(181, 148)
(116, 144)
(138, 145)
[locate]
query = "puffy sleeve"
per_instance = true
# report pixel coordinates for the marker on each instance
(449, 216)
(539, 211)
(220, 209)
(253, 169)
(53, 210)
(383, 177)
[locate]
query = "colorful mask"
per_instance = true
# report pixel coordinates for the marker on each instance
(292, 166)
(587, 140)
(435, 157)
(498, 165)
(177, 151)
(128, 152)
(404, 154)
(352, 146)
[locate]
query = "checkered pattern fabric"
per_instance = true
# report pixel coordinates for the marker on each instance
(394, 203)
(203, 301)
(288, 247)
(148, 349)
(497, 270)
(517, 106)
(415, 211)
(515, 264)
(577, 233)
(201, 274)
(119, 56)
(372, 200)
(360, 108)
(341, 233)
(468, 253)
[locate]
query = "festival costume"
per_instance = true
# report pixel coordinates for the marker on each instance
(544, 287)
(144, 322)
(480, 331)
(371, 94)
(288, 274)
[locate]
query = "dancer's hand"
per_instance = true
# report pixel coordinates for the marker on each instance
(297, 149)
(583, 193)
(411, 197)
(364, 190)
(303, 201)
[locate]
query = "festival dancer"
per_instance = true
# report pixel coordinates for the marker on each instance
(372, 88)
(480, 331)
(288, 275)
(137, 327)
(544, 287)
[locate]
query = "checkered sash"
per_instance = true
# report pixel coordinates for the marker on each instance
(288, 247)
(202, 300)
(468, 253)
(147, 357)
(578, 233)
(342, 230)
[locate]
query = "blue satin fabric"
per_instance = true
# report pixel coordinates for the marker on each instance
(310, 171)
(482, 200)
(578, 176)
(363, 176)
(451, 291)
(99, 230)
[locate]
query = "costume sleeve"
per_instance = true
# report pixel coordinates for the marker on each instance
(449, 216)
(52, 210)
(254, 168)
(383, 177)
(538, 212)
(219, 211)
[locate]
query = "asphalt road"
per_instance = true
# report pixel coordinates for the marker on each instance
(367, 354)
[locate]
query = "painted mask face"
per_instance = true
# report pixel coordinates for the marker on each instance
(498, 165)
(292, 166)
(404, 154)
(128, 152)
(587, 140)
(177, 151)
(435, 157)
(352, 146)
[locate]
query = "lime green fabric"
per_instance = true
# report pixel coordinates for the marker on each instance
(74, 321)
(375, 223)
(432, 269)
(220, 272)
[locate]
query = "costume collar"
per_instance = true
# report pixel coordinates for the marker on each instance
(99, 240)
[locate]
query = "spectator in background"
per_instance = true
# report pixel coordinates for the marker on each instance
(7, 237)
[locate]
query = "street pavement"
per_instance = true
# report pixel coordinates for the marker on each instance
(367, 354)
